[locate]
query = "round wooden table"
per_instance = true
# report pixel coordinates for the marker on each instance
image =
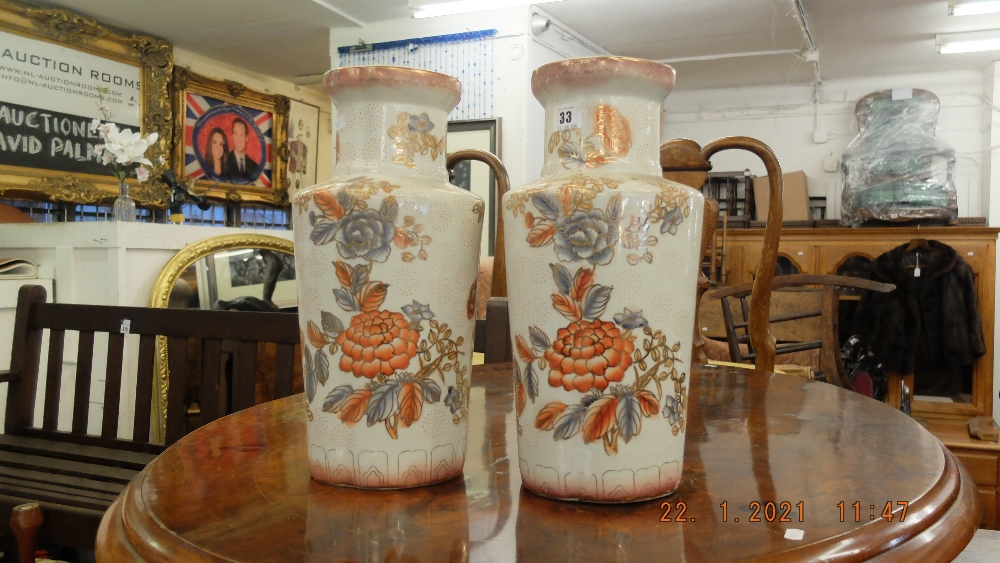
(767, 456)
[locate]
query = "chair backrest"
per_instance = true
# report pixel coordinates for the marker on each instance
(822, 303)
(684, 161)
(209, 328)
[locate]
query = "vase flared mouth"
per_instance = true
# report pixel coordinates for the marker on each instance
(340, 80)
(654, 79)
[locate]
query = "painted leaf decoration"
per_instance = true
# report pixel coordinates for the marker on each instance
(345, 299)
(372, 295)
(383, 402)
(517, 374)
(519, 400)
(344, 272)
(647, 402)
(582, 281)
(355, 405)
(546, 418)
(599, 418)
(323, 232)
(335, 399)
(309, 376)
(564, 280)
(331, 324)
(411, 403)
(389, 209)
(569, 422)
(570, 156)
(359, 276)
(523, 350)
(541, 235)
(629, 417)
(322, 366)
(595, 301)
(404, 238)
(613, 128)
(596, 159)
(566, 307)
(670, 221)
(616, 210)
(538, 338)
(345, 201)
(531, 382)
(432, 392)
(316, 337)
(328, 204)
(547, 205)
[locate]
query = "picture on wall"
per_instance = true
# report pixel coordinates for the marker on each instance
(56, 79)
(303, 143)
(229, 143)
(234, 142)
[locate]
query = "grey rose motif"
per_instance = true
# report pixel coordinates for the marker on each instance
(365, 234)
(586, 235)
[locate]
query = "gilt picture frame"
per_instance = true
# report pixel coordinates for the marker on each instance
(60, 68)
(231, 140)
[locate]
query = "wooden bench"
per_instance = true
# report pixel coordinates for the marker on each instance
(74, 476)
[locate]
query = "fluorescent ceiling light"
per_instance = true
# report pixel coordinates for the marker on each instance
(974, 7)
(969, 42)
(424, 9)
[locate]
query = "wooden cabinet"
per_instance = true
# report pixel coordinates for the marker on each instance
(829, 250)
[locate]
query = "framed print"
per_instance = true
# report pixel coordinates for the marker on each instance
(58, 70)
(303, 142)
(242, 273)
(231, 140)
(482, 134)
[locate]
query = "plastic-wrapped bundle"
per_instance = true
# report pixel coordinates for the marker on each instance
(896, 169)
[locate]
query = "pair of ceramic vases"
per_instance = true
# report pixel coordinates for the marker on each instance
(602, 262)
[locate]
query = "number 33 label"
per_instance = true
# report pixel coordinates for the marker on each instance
(567, 116)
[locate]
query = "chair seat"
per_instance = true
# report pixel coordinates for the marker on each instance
(65, 478)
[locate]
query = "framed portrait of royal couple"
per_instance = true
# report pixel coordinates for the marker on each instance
(234, 143)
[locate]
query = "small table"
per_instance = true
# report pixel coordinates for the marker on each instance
(765, 454)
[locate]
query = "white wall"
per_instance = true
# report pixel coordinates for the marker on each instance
(785, 117)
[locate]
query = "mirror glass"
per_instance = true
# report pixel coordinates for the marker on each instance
(242, 279)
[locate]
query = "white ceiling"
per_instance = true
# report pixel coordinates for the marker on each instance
(855, 38)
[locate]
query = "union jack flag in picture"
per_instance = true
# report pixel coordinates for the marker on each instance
(227, 143)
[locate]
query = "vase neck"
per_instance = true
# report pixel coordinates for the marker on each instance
(588, 130)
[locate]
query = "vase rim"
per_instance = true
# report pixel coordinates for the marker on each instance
(588, 71)
(350, 77)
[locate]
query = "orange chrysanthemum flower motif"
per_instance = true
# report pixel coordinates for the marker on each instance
(377, 342)
(588, 354)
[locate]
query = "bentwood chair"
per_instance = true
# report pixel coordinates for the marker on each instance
(494, 331)
(684, 161)
(822, 304)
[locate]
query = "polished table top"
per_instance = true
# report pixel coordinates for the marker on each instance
(765, 454)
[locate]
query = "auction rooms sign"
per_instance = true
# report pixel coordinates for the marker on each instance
(48, 96)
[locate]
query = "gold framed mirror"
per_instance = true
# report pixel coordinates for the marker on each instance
(196, 265)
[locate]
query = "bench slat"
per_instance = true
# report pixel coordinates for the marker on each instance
(84, 365)
(53, 379)
(75, 452)
(63, 467)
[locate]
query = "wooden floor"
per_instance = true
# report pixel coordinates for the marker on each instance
(984, 548)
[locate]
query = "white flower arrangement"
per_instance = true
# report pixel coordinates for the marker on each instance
(124, 149)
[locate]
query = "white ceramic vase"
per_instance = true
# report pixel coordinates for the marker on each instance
(602, 264)
(387, 255)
